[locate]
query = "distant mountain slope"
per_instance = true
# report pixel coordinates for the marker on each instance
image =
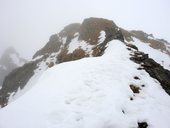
(110, 91)
(155, 43)
(88, 39)
(9, 60)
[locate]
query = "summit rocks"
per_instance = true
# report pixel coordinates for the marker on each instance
(91, 28)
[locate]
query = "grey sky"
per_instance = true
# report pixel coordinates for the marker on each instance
(28, 24)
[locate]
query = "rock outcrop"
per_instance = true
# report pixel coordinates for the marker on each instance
(13, 81)
(69, 31)
(91, 28)
(52, 46)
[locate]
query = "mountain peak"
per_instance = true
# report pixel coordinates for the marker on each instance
(89, 32)
(91, 28)
(125, 77)
(79, 40)
(70, 30)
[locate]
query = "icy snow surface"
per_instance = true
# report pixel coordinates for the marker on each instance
(91, 93)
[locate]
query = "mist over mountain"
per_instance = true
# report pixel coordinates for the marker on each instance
(9, 60)
(27, 25)
(91, 74)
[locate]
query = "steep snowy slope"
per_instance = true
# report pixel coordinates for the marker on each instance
(100, 92)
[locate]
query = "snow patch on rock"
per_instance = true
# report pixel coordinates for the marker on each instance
(76, 44)
(102, 37)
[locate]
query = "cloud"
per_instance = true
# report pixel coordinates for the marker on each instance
(27, 25)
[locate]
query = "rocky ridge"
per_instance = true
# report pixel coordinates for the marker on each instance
(74, 42)
(154, 69)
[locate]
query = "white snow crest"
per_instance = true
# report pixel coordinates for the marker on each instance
(102, 37)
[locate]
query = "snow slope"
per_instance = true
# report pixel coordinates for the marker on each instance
(160, 57)
(91, 93)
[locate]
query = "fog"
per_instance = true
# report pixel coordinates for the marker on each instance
(28, 24)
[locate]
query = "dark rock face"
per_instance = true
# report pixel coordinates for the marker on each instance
(132, 46)
(134, 88)
(91, 28)
(16, 79)
(142, 125)
(77, 54)
(154, 69)
(3, 73)
(52, 46)
(69, 32)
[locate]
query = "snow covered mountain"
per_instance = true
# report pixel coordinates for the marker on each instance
(9, 60)
(121, 82)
